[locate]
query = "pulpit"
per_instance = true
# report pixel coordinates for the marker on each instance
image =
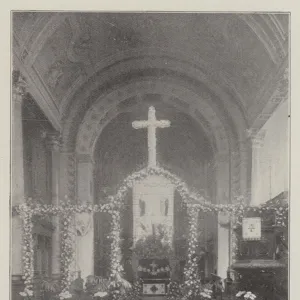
(260, 262)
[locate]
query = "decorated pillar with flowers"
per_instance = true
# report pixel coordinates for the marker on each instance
(67, 192)
(191, 267)
(17, 171)
(84, 221)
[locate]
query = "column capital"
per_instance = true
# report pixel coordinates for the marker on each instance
(53, 141)
(257, 137)
(19, 86)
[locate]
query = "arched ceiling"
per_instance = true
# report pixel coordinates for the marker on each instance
(240, 56)
(225, 73)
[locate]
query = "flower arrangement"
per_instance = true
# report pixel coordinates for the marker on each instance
(100, 294)
(178, 291)
(245, 295)
(206, 294)
(174, 291)
(134, 293)
(27, 294)
(65, 295)
(156, 245)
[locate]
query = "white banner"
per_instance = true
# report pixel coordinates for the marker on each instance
(252, 228)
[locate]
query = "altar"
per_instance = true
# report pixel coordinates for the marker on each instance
(161, 237)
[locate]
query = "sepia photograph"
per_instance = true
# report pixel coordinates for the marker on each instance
(150, 155)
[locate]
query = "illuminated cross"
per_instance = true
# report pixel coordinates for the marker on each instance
(153, 265)
(151, 124)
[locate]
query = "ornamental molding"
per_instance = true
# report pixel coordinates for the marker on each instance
(53, 141)
(99, 114)
(19, 85)
(90, 90)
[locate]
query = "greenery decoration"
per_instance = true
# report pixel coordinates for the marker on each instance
(193, 201)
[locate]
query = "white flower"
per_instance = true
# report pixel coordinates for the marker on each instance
(100, 294)
(249, 295)
(23, 294)
(240, 293)
(65, 295)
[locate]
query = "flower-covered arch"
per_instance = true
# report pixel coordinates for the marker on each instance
(193, 201)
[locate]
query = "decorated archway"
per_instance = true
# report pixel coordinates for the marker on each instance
(194, 202)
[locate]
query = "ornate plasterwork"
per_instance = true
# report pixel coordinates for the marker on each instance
(19, 85)
(81, 44)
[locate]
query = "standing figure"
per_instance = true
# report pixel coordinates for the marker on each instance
(164, 207)
(142, 207)
(217, 287)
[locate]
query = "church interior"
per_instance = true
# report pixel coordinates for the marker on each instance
(150, 156)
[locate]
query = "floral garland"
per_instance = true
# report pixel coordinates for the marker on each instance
(116, 268)
(67, 253)
(67, 210)
(192, 200)
(28, 254)
(178, 291)
(154, 272)
(187, 196)
(190, 271)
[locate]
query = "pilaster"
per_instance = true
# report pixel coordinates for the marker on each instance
(223, 185)
(17, 169)
(84, 221)
(257, 140)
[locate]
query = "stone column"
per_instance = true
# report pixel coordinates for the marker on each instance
(257, 139)
(223, 179)
(223, 245)
(84, 222)
(53, 143)
(17, 170)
